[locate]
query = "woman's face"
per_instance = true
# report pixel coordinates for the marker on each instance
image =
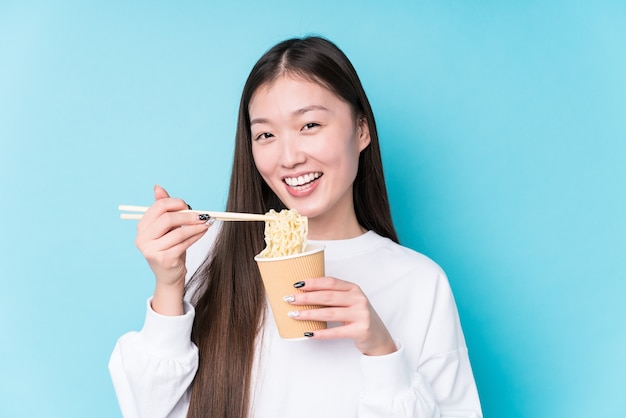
(306, 145)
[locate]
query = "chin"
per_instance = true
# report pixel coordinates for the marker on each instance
(305, 211)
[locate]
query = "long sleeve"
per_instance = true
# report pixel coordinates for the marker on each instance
(392, 390)
(439, 384)
(153, 369)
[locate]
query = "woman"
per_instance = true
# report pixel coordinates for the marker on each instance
(306, 139)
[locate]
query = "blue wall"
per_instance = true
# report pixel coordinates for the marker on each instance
(504, 137)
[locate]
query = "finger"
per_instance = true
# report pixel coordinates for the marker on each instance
(160, 192)
(343, 331)
(178, 235)
(326, 298)
(157, 241)
(163, 203)
(165, 215)
(169, 255)
(324, 283)
(370, 340)
(341, 315)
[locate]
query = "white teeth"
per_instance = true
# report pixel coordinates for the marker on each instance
(299, 181)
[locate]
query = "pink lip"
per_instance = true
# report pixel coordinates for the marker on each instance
(307, 190)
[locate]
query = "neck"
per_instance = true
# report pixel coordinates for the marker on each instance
(321, 228)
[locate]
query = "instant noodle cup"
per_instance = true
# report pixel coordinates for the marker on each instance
(279, 274)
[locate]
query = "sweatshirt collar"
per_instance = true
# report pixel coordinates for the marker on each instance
(342, 248)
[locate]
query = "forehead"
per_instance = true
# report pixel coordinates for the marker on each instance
(289, 93)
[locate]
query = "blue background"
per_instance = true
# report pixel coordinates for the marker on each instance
(503, 128)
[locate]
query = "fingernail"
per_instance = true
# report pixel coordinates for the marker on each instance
(293, 314)
(189, 206)
(206, 217)
(308, 334)
(289, 298)
(298, 285)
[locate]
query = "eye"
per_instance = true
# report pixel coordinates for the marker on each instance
(264, 135)
(310, 126)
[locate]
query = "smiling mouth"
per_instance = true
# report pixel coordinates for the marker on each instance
(302, 181)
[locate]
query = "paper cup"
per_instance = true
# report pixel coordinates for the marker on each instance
(279, 274)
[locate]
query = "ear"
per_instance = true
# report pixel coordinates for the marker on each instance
(363, 133)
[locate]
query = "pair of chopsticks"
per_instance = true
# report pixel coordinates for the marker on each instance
(222, 216)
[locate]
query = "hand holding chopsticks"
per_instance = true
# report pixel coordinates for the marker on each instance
(222, 216)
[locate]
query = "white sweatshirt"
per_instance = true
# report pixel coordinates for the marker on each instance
(429, 376)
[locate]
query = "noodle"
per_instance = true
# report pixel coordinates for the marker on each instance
(286, 235)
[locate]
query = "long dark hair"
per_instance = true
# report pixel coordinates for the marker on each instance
(229, 297)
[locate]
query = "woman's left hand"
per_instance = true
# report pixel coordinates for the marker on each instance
(343, 302)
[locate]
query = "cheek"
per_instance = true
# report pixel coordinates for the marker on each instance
(351, 154)
(262, 160)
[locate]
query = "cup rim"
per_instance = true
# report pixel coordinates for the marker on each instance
(308, 250)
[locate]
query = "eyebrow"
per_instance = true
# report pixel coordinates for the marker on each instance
(294, 113)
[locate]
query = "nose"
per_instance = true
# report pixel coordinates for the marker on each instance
(291, 153)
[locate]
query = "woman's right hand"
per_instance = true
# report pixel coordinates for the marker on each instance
(163, 236)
